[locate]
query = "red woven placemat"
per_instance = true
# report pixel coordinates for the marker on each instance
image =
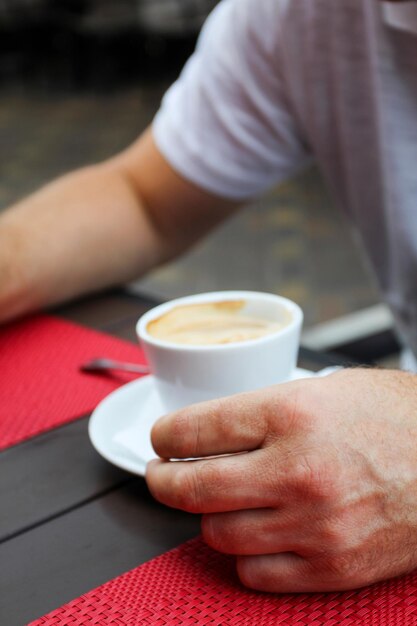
(41, 385)
(195, 585)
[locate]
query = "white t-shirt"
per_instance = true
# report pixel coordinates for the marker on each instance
(274, 84)
(402, 15)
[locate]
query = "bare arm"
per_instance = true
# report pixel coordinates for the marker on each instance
(100, 226)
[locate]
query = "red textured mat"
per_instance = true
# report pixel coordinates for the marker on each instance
(41, 385)
(195, 585)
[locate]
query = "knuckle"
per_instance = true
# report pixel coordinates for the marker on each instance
(187, 490)
(210, 475)
(196, 485)
(221, 416)
(209, 531)
(308, 403)
(343, 567)
(299, 404)
(254, 574)
(333, 537)
(226, 416)
(248, 574)
(289, 405)
(184, 431)
(217, 535)
(313, 478)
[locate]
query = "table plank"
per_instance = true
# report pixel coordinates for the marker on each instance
(49, 474)
(107, 311)
(67, 556)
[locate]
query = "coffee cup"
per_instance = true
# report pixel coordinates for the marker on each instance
(221, 343)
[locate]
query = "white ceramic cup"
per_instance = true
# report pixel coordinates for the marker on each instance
(185, 374)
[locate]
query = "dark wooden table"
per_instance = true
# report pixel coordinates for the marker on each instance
(69, 520)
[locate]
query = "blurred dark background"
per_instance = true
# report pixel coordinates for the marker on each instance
(76, 44)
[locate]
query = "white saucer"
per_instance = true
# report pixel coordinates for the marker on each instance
(120, 426)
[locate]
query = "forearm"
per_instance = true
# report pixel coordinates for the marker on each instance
(100, 226)
(83, 232)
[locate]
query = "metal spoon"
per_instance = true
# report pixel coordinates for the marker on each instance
(104, 364)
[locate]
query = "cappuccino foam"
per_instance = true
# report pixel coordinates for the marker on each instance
(210, 323)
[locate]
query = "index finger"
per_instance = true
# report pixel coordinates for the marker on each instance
(233, 424)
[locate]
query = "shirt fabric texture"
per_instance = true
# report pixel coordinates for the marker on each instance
(275, 84)
(402, 15)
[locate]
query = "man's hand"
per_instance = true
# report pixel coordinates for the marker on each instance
(318, 490)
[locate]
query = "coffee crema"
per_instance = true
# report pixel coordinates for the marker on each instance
(210, 323)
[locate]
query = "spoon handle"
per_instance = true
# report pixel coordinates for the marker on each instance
(110, 365)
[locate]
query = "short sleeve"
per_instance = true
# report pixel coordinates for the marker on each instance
(226, 123)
